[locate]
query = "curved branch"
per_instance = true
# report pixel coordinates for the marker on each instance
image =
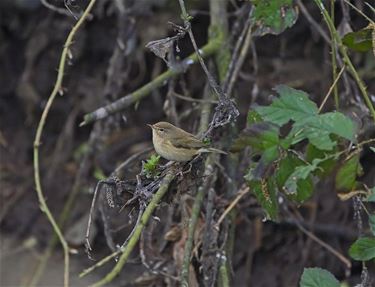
(42, 122)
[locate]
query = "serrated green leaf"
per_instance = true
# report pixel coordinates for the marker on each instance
(300, 173)
(371, 221)
(260, 136)
(329, 162)
(347, 174)
(291, 105)
(317, 277)
(273, 16)
(265, 192)
(363, 249)
(317, 129)
(294, 105)
(359, 41)
(286, 167)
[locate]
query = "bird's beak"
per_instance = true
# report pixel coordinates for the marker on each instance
(151, 126)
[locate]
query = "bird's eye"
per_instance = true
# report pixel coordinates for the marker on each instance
(161, 130)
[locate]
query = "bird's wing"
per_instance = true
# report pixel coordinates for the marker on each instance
(187, 141)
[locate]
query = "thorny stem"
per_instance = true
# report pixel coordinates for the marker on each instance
(211, 47)
(128, 248)
(347, 60)
(42, 122)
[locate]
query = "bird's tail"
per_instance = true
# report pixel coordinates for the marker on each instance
(211, 149)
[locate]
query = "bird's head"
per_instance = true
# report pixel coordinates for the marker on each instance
(163, 129)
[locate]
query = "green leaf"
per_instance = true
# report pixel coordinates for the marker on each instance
(371, 220)
(372, 149)
(317, 129)
(301, 172)
(359, 41)
(253, 117)
(363, 249)
(264, 166)
(347, 174)
(294, 105)
(304, 188)
(317, 277)
(150, 166)
(98, 174)
(265, 192)
(329, 162)
(291, 105)
(273, 16)
(260, 136)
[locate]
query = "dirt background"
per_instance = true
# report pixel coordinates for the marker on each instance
(110, 60)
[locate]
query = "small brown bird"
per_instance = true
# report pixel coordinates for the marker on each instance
(175, 144)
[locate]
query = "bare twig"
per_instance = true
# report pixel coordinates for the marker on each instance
(211, 47)
(239, 55)
(346, 58)
(231, 206)
(360, 12)
(193, 221)
(331, 88)
(83, 168)
(127, 249)
(38, 137)
(226, 111)
(341, 257)
(188, 99)
(55, 9)
(333, 59)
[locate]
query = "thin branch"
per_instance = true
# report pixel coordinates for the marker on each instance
(341, 257)
(61, 11)
(194, 220)
(331, 88)
(42, 122)
(360, 12)
(312, 21)
(346, 58)
(211, 47)
(188, 99)
(128, 248)
(65, 213)
(333, 58)
(231, 206)
(241, 58)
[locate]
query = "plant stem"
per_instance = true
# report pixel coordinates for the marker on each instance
(333, 58)
(211, 47)
(347, 60)
(42, 122)
(194, 220)
(223, 272)
(128, 248)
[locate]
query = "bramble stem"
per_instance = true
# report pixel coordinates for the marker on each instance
(346, 58)
(42, 122)
(128, 248)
